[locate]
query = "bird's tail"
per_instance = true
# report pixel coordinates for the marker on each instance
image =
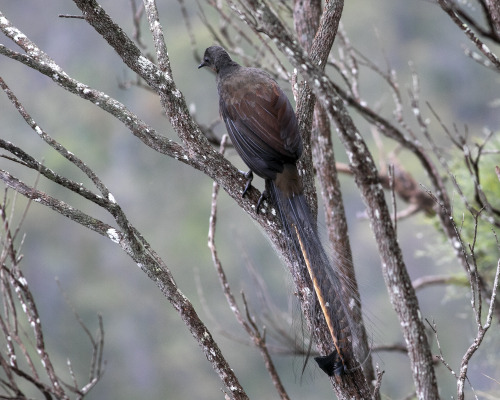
(302, 229)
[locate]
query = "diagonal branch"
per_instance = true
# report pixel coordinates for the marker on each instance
(450, 10)
(139, 128)
(248, 324)
(132, 242)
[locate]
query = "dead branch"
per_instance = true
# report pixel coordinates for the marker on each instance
(23, 332)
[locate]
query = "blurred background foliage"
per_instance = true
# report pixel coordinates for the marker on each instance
(148, 351)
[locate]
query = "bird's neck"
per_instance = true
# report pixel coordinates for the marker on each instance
(227, 68)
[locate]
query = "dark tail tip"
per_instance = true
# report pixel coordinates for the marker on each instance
(331, 364)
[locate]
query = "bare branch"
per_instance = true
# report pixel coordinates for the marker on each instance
(248, 324)
(449, 9)
(431, 280)
(19, 341)
(137, 13)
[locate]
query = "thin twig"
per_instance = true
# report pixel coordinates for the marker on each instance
(449, 9)
(390, 173)
(71, 16)
(247, 323)
(137, 13)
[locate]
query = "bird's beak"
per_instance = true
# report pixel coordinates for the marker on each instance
(202, 65)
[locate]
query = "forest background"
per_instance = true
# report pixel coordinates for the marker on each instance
(147, 349)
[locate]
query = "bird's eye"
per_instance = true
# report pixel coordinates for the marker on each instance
(206, 60)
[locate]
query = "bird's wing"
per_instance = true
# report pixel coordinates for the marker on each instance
(261, 122)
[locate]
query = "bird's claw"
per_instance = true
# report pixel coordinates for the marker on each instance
(249, 176)
(262, 197)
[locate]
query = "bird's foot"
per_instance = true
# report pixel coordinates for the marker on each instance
(249, 176)
(263, 196)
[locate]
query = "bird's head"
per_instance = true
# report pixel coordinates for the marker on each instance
(215, 58)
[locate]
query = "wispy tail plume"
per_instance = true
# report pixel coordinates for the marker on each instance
(301, 226)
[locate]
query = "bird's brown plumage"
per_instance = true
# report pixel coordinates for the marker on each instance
(257, 113)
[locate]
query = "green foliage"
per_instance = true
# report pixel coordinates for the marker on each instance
(465, 206)
(480, 235)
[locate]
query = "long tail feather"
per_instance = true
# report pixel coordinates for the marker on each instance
(301, 227)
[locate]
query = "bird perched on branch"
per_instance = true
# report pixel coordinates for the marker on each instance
(263, 128)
